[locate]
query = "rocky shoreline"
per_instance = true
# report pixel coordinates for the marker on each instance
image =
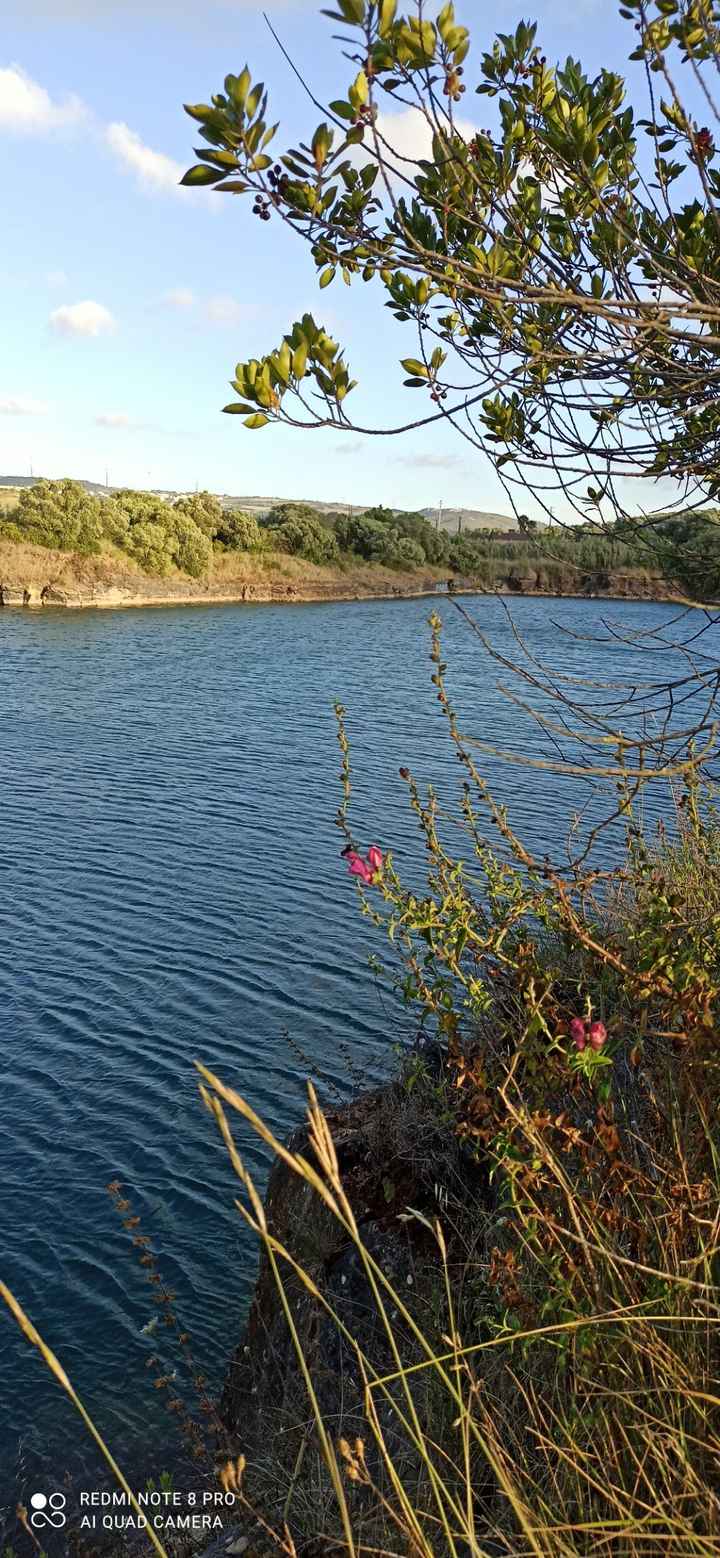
(100, 596)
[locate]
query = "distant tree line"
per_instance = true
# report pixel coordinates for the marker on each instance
(185, 534)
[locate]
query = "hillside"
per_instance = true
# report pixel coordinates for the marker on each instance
(450, 519)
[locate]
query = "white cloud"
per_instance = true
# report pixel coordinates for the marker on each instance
(431, 462)
(88, 318)
(22, 406)
(153, 169)
(114, 419)
(179, 297)
(27, 109)
(409, 136)
(222, 310)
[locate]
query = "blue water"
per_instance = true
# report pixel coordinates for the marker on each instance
(172, 890)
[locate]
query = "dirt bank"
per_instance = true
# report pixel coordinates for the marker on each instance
(35, 577)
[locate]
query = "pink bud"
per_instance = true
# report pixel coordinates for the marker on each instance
(597, 1034)
(577, 1033)
(358, 867)
(375, 857)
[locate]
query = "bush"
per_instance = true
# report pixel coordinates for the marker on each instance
(362, 535)
(284, 513)
(152, 546)
(60, 514)
(239, 532)
(204, 509)
(401, 551)
(192, 550)
(10, 531)
(138, 506)
(305, 536)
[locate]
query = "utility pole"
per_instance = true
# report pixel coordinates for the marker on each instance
(438, 517)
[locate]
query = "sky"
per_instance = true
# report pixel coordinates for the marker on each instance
(127, 301)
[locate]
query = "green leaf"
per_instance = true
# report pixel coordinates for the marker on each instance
(299, 360)
(258, 420)
(359, 93)
(201, 175)
(411, 365)
(326, 276)
(236, 408)
(241, 89)
(343, 110)
(218, 159)
(254, 99)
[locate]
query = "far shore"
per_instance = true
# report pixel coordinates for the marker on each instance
(34, 578)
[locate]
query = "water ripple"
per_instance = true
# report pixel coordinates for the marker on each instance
(172, 890)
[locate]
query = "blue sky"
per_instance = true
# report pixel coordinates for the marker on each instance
(127, 301)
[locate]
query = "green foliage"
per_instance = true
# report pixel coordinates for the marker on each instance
(568, 231)
(137, 505)
(10, 531)
(152, 546)
(160, 536)
(192, 550)
(283, 512)
(60, 514)
(306, 536)
(401, 551)
(692, 552)
(238, 532)
(396, 540)
(204, 509)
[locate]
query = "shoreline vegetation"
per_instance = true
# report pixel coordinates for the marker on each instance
(32, 579)
(62, 546)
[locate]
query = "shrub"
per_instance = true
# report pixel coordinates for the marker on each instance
(60, 514)
(239, 532)
(153, 546)
(283, 513)
(204, 509)
(305, 536)
(192, 547)
(10, 531)
(399, 551)
(361, 535)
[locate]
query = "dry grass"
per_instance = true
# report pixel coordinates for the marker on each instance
(259, 573)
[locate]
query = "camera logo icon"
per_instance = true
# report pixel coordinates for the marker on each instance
(48, 1511)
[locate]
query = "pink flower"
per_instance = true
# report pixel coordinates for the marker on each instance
(577, 1033)
(597, 1034)
(375, 858)
(358, 867)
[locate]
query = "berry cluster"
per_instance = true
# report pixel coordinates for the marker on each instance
(278, 181)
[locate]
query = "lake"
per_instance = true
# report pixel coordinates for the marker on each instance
(172, 890)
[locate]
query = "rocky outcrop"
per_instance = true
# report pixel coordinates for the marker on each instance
(20, 595)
